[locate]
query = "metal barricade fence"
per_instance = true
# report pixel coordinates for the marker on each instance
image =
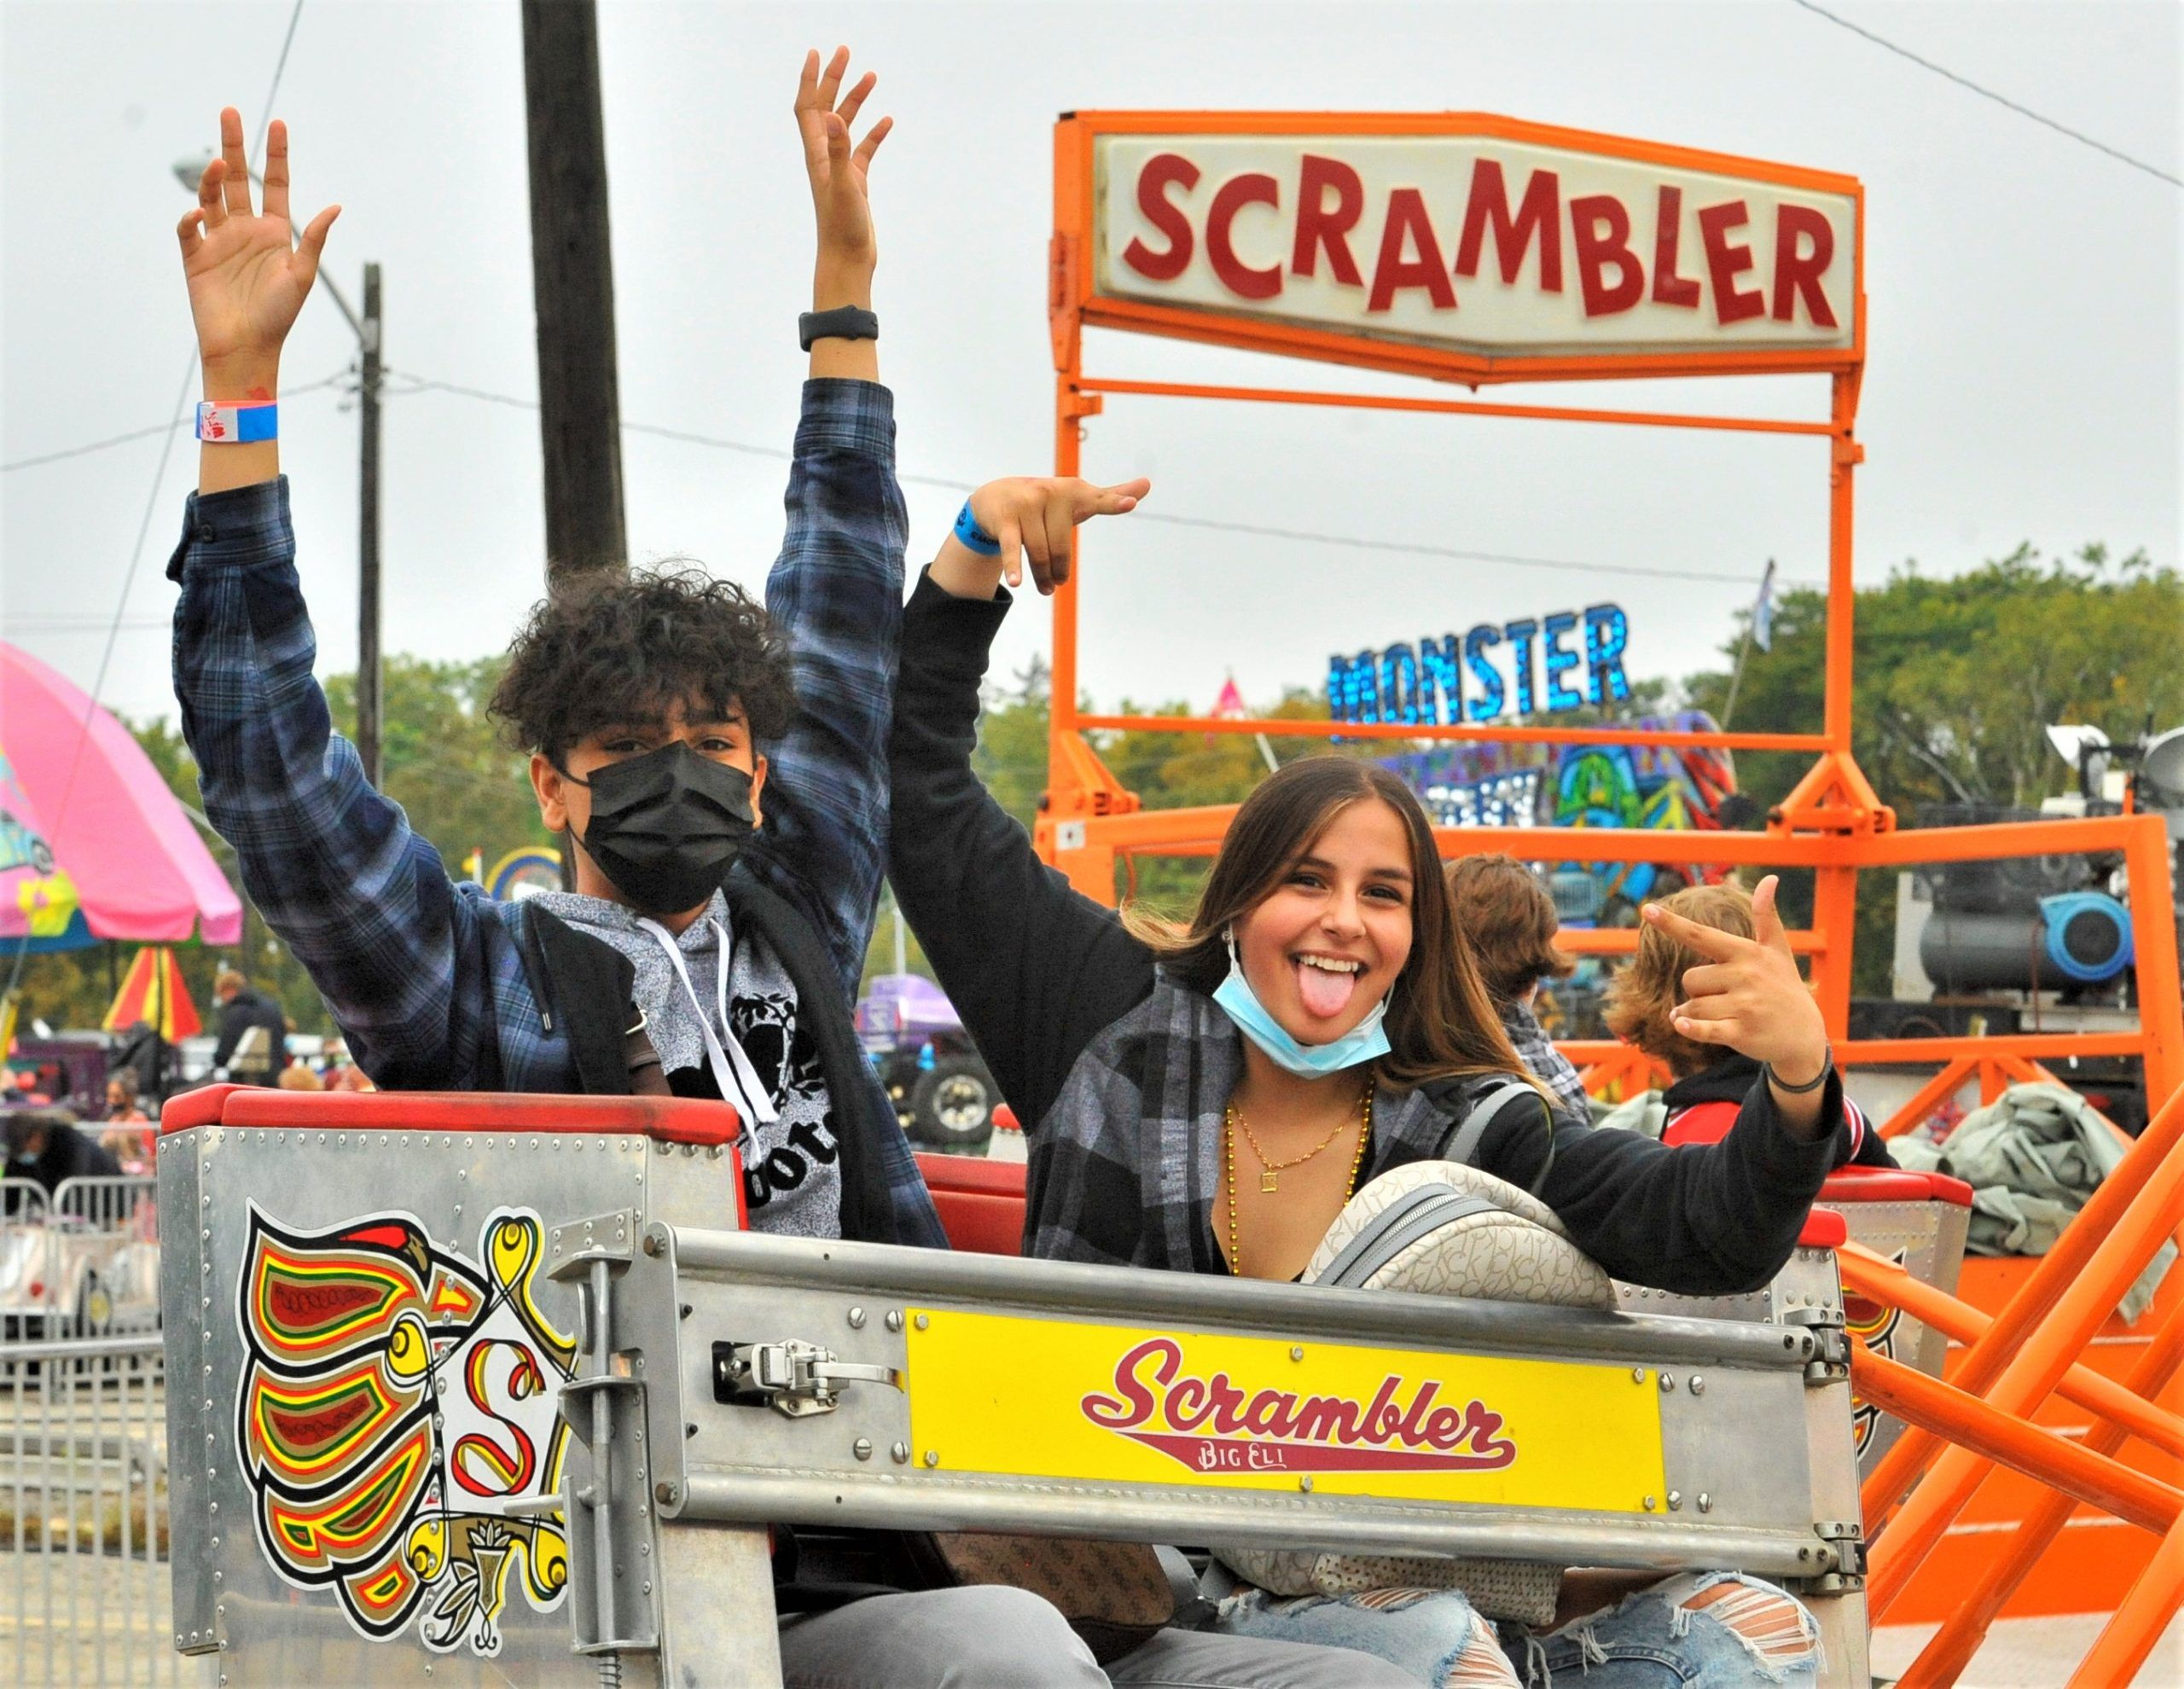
(124, 1204)
(86, 1596)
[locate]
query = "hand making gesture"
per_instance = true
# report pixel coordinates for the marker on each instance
(1028, 515)
(1749, 996)
(247, 279)
(840, 201)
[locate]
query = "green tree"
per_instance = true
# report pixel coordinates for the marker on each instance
(1954, 682)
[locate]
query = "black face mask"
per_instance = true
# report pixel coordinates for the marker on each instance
(665, 826)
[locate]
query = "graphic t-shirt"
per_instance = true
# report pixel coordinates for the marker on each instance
(792, 1179)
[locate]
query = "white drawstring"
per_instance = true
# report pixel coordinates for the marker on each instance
(732, 1069)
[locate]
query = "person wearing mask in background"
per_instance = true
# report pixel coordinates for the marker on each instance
(245, 1011)
(46, 1145)
(1505, 915)
(126, 1136)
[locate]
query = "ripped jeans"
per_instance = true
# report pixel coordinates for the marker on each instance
(1709, 1630)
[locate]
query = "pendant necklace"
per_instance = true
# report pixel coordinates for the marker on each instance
(1232, 1118)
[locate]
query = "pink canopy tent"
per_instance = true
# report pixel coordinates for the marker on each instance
(137, 868)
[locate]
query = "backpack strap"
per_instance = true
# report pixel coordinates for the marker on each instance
(1462, 1145)
(587, 982)
(753, 906)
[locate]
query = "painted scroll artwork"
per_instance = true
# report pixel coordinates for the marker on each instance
(396, 1397)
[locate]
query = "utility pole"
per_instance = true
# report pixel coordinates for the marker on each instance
(367, 658)
(573, 282)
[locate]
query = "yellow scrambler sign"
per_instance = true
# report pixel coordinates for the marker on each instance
(1056, 1398)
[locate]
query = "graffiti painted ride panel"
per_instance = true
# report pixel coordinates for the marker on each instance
(380, 1352)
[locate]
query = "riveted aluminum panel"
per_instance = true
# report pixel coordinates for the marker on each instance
(451, 1224)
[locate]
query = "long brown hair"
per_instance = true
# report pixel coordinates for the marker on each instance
(1440, 1022)
(1642, 997)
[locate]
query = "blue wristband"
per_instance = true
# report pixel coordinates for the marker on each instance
(244, 422)
(968, 530)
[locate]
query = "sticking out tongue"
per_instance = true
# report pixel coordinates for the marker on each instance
(1326, 993)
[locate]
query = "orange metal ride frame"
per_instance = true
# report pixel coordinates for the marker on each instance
(1833, 822)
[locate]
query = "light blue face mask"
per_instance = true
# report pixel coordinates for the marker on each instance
(1363, 1042)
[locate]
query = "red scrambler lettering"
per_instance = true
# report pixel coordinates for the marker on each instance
(1621, 254)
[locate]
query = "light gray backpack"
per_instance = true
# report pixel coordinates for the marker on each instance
(1440, 1228)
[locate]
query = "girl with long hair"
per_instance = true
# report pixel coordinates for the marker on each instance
(1206, 1100)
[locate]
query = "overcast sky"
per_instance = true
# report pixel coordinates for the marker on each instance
(2022, 384)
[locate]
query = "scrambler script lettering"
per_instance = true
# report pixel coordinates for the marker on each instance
(1213, 1424)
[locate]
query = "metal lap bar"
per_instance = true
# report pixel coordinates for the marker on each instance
(1059, 1399)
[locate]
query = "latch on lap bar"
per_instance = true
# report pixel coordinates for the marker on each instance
(792, 1377)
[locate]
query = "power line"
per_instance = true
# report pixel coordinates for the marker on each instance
(422, 384)
(181, 420)
(159, 476)
(1990, 94)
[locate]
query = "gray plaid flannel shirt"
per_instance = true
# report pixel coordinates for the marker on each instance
(1548, 1065)
(424, 976)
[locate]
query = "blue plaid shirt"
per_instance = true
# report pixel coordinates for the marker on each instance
(424, 977)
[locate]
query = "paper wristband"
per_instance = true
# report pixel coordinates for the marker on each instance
(232, 424)
(968, 530)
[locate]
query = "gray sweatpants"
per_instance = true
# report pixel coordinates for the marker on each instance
(992, 1637)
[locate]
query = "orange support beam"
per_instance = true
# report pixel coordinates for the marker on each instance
(1972, 1424)
(1884, 1282)
(2148, 1188)
(2059, 1269)
(1951, 1648)
(2130, 1636)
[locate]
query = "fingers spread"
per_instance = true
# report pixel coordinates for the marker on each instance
(236, 190)
(1034, 533)
(1012, 553)
(313, 245)
(853, 101)
(1711, 977)
(838, 140)
(1766, 921)
(187, 231)
(830, 83)
(870, 144)
(1061, 534)
(1707, 940)
(276, 171)
(807, 84)
(209, 199)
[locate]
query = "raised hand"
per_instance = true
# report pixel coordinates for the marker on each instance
(848, 250)
(247, 279)
(1033, 516)
(1748, 994)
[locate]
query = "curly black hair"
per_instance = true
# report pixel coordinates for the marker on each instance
(613, 649)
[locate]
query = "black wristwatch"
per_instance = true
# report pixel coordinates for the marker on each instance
(843, 322)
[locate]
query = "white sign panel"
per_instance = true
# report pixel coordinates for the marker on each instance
(1474, 244)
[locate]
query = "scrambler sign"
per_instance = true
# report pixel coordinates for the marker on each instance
(1051, 1398)
(1459, 243)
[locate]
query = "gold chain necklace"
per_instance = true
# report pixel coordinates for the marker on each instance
(1231, 1119)
(1268, 1169)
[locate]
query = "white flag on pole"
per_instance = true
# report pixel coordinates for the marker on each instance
(1762, 612)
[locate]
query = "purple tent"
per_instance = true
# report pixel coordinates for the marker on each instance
(905, 1008)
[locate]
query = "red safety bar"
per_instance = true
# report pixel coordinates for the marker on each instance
(671, 1120)
(981, 1202)
(1893, 1184)
(981, 1205)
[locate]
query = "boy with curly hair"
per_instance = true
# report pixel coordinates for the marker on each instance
(717, 768)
